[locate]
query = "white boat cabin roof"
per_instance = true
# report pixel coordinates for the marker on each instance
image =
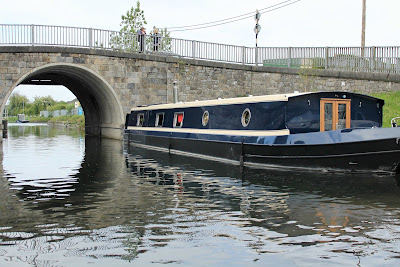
(224, 101)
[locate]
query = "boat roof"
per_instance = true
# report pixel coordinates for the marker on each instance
(239, 100)
(221, 101)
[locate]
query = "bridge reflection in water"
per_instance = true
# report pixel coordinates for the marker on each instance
(127, 204)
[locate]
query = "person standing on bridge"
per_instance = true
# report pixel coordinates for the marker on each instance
(141, 35)
(156, 39)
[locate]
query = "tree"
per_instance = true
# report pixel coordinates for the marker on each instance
(61, 106)
(17, 104)
(127, 39)
(42, 103)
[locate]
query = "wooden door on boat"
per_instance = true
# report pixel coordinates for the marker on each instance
(334, 114)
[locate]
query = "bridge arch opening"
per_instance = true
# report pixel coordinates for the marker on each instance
(103, 112)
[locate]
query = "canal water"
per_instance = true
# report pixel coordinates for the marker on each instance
(71, 200)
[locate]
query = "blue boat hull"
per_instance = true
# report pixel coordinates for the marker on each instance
(372, 149)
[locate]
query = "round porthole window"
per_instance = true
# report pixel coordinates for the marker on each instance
(205, 118)
(246, 116)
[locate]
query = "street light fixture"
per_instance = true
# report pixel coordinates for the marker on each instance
(257, 30)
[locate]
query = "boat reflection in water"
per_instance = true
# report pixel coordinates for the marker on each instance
(325, 213)
(136, 206)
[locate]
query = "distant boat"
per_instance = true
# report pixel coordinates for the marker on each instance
(21, 118)
(321, 130)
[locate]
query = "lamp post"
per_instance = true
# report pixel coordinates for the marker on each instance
(364, 6)
(257, 29)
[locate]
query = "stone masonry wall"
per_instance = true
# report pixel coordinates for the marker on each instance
(203, 82)
(148, 79)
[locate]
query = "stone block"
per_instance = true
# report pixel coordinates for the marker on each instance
(76, 60)
(131, 86)
(133, 80)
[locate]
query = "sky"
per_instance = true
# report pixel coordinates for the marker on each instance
(305, 23)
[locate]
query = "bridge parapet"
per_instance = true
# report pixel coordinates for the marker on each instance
(358, 59)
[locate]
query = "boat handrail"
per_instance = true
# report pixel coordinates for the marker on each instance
(393, 121)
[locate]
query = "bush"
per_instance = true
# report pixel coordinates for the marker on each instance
(76, 120)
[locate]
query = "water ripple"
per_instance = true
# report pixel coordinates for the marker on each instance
(109, 206)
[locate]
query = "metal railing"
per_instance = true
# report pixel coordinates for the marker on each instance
(368, 59)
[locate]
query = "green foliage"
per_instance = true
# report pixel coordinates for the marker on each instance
(18, 104)
(42, 103)
(133, 20)
(60, 106)
(38, 119)
(391, 109)
(127, 39)
(69, 120)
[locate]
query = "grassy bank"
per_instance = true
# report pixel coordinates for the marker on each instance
(70, 120)
(391, 108)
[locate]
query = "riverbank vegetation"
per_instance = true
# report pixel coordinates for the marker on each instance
(391, 109)
(68, 121)
(20, 104)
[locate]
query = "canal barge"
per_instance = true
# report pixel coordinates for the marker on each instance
(314, 131)
(21, 119)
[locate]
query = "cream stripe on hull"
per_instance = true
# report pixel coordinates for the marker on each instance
(213, 131)
(218, 102)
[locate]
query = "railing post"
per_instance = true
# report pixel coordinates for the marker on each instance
(373, 55)
(289, 64)
(326, 57)
(193, 49)
(243, 55)
(33, 34)
(90, 38)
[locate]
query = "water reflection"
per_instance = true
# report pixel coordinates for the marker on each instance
(340, 213)
(40, 161)
(145, 207)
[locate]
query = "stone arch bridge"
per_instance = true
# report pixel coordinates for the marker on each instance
(109, 83)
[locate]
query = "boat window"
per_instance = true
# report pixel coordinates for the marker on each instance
(140, 119)
(178, 119)
(341, 116)
(334, 114)
(246, 116)
(205, 118)
(159, 119)
(328, 121)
